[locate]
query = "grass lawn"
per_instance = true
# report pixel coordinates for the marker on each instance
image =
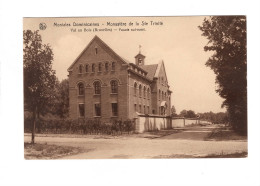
(45, 151)
(232, 155)
(225, 134)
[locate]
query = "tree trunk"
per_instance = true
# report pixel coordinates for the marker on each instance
(34, 124)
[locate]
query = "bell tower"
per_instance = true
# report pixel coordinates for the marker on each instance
(139, 58)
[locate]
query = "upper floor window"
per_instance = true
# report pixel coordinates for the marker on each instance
(97, 87)
(162, 95)
(148, 93)
(96, 50)
(80, 69)
(144, 93)
(100, 67)
(159, 94)
(140, 90)
(86, 68)
(93, 67)
(81, 89)
(113, 66)
(114, 86)
(135, 89)
(106, 66)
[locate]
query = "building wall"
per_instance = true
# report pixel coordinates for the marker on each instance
(87, 78)
(162, 86)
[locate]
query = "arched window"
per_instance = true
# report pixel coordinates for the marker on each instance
(100, 67)
(113, 66)
(135, 89)
(93, 67)
(114, 86)
(80, 69)
(97, 87)
(81, 88)
(148, 93)
(106, 66)
(86, 68)
(144, 93)
(140, 91)
(159, 94)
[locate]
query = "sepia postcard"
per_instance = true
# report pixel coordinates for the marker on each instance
(135, 87)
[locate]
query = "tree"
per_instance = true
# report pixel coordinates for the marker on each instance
(190, 114)
(173, 111)
(61, 107)
(227, 39)
(183, 113)
(39, 78)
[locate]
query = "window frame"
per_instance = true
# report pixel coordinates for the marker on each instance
(97, 88)
(97, 112)
(81, 90)
(80, 107)
(114, 109)
(114, 87)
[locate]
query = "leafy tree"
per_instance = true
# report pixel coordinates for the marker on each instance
(190, 114)
(183, 113)
(227, 38)
(173, 111)
(61, 107)
(39, 78)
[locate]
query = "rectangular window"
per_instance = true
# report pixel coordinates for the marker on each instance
(148, 110)
(114, 109)
(140, 108)
(135, 108)
(144, 109)
(81, 110)
(97, 109)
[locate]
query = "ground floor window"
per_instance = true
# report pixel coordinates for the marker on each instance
(114, 109)
(97, 109)
(81, 110)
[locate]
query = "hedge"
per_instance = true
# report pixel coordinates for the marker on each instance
(80, 126)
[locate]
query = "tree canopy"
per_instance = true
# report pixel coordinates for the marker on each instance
(227, 39)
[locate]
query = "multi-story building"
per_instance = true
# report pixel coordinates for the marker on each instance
(104, 85)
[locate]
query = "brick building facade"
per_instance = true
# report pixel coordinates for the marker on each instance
(104, 85)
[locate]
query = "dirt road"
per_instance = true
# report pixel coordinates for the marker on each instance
(186, 143)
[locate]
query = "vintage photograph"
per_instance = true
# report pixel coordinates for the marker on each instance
(135, 87)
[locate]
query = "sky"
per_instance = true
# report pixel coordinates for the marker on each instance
(175, 40)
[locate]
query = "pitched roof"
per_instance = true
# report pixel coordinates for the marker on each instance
(96, 38)
(150, 69)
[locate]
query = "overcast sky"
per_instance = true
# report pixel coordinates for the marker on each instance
(177, 41)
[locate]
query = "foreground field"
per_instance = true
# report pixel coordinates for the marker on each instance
(190, 142)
